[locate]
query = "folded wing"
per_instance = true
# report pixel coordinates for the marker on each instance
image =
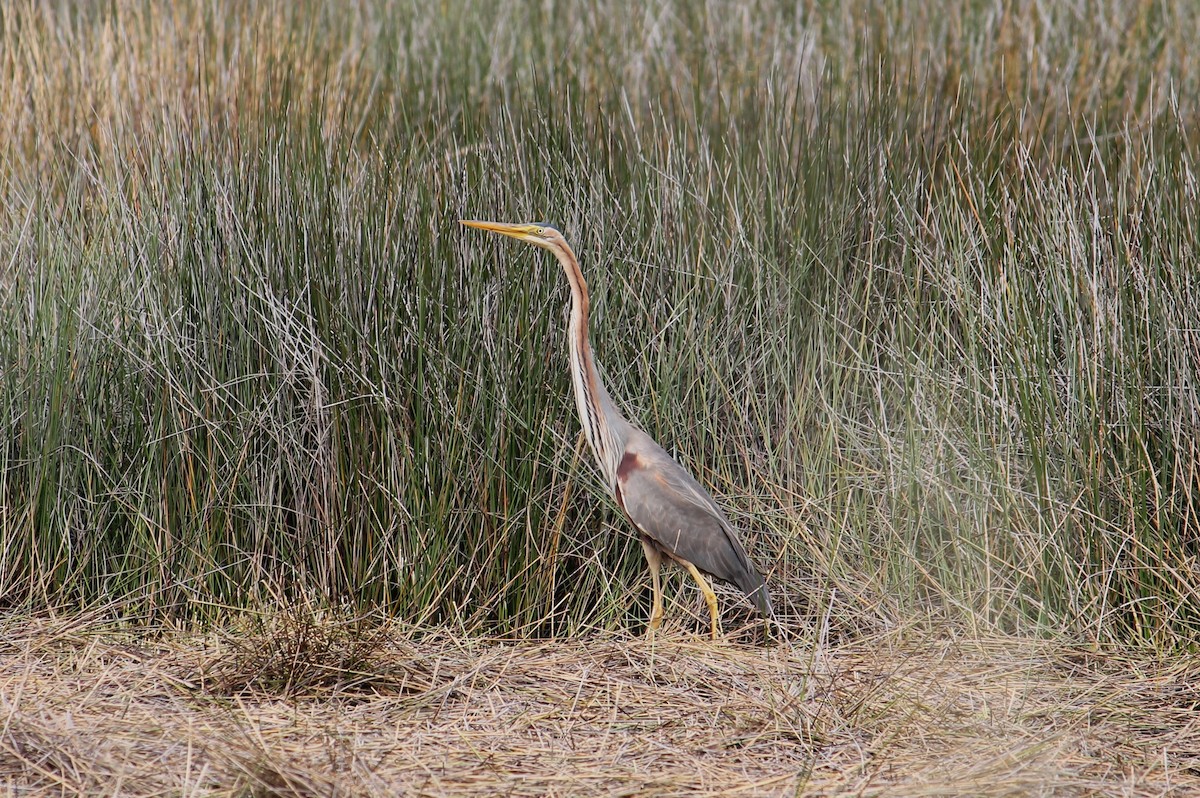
(668, 505)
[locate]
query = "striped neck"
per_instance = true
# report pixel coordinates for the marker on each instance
(597, 414)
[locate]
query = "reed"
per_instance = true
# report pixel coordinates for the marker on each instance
(913, 291)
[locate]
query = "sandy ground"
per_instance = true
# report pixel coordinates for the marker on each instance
(316, 707)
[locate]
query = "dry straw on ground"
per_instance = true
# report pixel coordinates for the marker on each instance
(311, 706)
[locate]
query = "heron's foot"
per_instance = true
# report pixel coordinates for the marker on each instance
(655, 622)
(717, 632)
(714, 614)
(656, 614)
(710, 598)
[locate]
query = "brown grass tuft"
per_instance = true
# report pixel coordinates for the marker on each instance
(92, 709)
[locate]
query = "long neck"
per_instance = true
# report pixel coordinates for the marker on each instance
(597, 414)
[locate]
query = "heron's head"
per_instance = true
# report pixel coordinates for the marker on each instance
(539, 234)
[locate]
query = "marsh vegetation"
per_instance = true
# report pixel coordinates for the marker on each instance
(912, 288)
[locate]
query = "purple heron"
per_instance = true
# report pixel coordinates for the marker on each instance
(676, 518)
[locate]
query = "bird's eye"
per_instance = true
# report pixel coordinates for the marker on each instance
(541, 231)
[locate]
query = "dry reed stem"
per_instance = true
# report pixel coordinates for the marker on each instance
(92, 710)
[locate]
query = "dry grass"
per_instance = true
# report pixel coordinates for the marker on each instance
(290, 706)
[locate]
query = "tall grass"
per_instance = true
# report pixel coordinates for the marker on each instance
(914, 290)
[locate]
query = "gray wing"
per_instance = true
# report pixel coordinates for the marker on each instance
(666, 503)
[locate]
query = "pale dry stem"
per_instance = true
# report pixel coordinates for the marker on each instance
(89, 710)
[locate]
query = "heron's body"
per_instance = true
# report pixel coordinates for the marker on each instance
(674, 515)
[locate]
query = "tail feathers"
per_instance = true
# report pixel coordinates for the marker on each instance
(755, 588)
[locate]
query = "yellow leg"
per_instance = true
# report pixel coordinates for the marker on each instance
(709, 597)
(654, 560)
